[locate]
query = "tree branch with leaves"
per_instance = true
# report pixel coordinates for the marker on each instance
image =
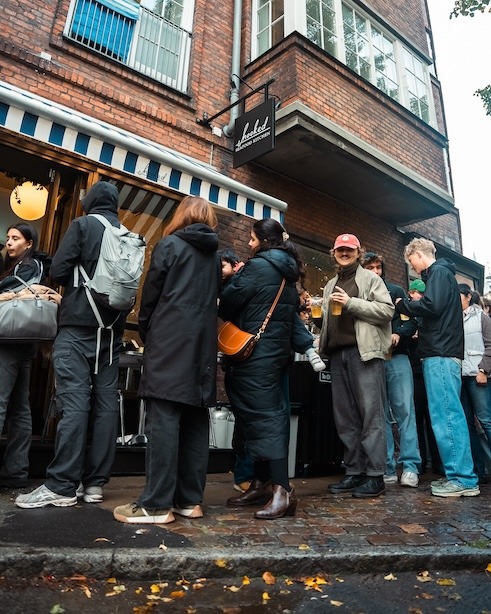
(468, 8)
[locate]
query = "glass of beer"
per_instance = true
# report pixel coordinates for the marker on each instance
(336, 308)
(316, 306)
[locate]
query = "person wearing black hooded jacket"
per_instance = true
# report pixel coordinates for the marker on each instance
(22, 261)
(441, 348)
(178, 324)
(86, 376)
(255, 386)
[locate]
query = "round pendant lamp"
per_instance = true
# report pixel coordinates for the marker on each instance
(28, 200)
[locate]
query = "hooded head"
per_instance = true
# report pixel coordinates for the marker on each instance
(102, 196)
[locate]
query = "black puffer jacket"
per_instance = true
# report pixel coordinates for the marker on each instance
(27, 271)
(254, 387)
(178, 318)
(441, 332)
(81, 244)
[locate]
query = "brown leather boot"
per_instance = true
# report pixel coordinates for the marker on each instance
(282, 503)
(258, 493)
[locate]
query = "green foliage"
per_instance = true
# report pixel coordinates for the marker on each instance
(485, 95)
(467, 8)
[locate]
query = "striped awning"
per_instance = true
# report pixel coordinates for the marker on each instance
(51, 123)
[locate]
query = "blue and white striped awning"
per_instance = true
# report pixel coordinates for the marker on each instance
(51, 123)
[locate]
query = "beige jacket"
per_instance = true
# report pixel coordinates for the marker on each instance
(372, 310)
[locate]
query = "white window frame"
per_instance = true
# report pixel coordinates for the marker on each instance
(295, 19)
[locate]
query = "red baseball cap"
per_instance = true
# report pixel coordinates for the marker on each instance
(347, 240)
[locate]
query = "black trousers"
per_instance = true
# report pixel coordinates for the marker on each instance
(176, 456)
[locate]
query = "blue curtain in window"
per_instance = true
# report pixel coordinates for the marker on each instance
(106, 25)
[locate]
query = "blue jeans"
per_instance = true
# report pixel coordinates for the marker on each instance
(443, 385)
(400, 393)
(475, 401)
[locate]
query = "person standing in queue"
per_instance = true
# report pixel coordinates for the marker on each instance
(85, 363)
(24, 262)
(178, 325)
(356, 333)
(256, 386)
(441, 348)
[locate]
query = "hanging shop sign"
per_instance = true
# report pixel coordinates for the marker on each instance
(254, 133)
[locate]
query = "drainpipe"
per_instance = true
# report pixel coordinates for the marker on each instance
(228, 130)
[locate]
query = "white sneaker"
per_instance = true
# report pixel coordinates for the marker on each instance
(390, 479)
(315, 360)
(409, 478)
(42, 497)
(93, 494)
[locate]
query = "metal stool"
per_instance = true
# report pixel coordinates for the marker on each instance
(131, 362)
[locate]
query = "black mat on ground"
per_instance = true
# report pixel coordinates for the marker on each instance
(81, 526)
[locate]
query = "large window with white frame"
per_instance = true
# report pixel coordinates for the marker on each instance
(355, 38)
(152, 37)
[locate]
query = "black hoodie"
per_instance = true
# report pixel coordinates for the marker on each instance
(81, 244)
(442, 331)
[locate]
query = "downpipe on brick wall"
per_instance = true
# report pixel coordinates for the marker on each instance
(228, 130)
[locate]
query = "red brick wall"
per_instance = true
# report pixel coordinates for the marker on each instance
(106, 90)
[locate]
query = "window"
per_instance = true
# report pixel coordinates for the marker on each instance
(321, 24)
(417, 89)
(356, 39)
(270, 24)
(151, 37)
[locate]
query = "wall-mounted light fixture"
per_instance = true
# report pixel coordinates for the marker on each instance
(28, 200)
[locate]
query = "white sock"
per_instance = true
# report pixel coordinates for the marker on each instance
(315, 360)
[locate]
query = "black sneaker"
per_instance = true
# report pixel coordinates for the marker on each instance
(372, 487)
(347, 484)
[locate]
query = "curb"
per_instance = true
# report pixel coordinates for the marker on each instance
(146, 564)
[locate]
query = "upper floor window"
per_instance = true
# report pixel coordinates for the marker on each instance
(270, 23)
(321, 24)
(152, 37)
(356, 39)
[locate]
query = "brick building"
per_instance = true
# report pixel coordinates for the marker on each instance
(121, 90)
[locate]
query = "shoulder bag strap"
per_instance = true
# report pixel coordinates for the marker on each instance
(270, 312)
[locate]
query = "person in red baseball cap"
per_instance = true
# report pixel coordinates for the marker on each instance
(356, 334)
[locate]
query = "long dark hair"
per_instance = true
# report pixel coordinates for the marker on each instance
(30, 234)
(272, 235)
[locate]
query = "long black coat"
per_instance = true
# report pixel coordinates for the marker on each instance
(178, 318)
(255, 387)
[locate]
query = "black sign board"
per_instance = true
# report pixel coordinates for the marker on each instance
(254, 133)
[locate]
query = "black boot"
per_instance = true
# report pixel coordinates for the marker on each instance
(258, 493)
(372, 487)
(347, 484)
(282, 503)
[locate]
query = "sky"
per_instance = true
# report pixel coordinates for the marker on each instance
(463, 63)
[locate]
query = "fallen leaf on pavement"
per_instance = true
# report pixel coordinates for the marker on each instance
(177, 594)
(426, 596)
(268, 578)
(57, 609)
(232, 589)
(221, 563)
(488, 568)
(266, 597)
(304, 547)
(337, 603)
(390, 577)
(245, 580)
(424, 576)
(102, 539)
(445, 582)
